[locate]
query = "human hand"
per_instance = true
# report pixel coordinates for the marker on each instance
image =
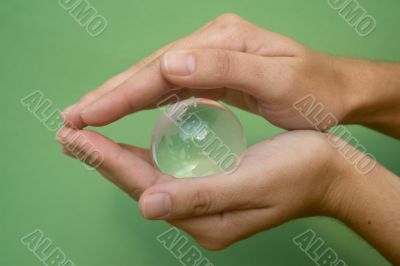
(291, 175)
(230, 60)
(265, 73)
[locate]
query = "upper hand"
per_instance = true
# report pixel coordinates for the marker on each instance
(228, 59)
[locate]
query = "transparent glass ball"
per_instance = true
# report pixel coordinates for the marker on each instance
(197, 137)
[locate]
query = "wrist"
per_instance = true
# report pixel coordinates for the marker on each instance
(367, 203)
(372, 94)
(340, 175)
(357, 78)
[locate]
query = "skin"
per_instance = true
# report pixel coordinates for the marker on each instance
(296, 174)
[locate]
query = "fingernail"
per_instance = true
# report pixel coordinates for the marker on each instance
(179, 63)
(156, 206)
(64, 113)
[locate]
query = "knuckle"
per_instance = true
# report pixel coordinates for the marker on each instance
(230, 18)
(201, 203)
(224, 63)
(230, 30)
(232, 38)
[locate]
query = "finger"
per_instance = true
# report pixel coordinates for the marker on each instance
(146, 86)
(213, 68)
(66, 151)
(134, 94)
(251, 74)
(182, 198)
(71, 115)
(140, 152)
(128, 168)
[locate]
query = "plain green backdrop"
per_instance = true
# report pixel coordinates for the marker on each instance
(93, 222)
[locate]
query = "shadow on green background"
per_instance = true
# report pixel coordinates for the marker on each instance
(43, 48)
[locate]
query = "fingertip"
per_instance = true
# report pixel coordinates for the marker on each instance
(69, 108)
(71, 117)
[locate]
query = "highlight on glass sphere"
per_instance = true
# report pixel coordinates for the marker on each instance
(197, 137)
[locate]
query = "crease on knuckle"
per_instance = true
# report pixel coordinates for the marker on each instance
(201, 202)
(224, 63)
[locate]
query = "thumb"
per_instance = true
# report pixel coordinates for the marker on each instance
(182, 198)
(216, 68)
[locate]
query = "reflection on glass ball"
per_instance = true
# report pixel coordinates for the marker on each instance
(197, 137)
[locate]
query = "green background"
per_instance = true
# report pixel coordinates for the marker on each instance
(94, 223)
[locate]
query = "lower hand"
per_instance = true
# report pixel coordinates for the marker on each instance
(291, 175)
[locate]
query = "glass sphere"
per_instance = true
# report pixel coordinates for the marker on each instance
(197, 137)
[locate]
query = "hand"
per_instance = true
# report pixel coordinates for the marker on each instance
(228, 59)
(292, 175)
(295, 174)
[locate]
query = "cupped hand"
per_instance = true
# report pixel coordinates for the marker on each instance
(291, 175)
(228, 59)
